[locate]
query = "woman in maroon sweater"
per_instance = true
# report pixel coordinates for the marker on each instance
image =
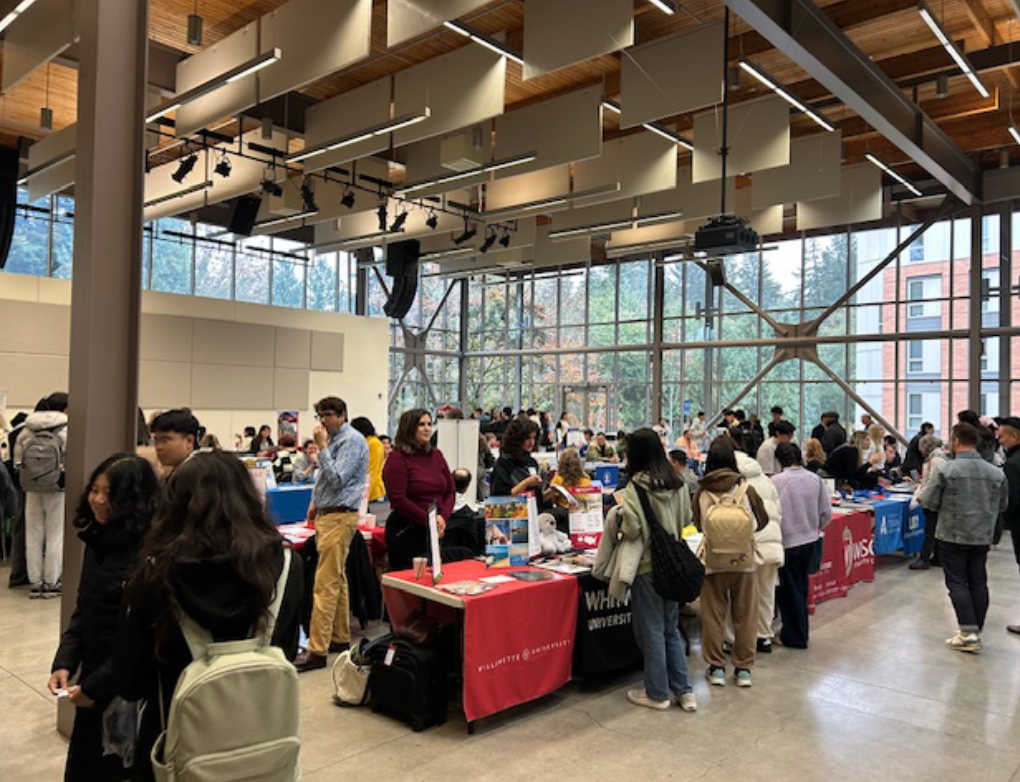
(415, 475)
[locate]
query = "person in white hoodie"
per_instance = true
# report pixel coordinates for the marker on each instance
(39, 458)
(768, 549)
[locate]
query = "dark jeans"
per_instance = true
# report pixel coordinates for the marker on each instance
(928, 553)
(792, 596)
(405, 541)
(967, 582)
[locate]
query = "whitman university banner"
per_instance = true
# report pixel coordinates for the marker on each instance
(848, 557)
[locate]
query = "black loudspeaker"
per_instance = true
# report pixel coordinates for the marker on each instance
(243, 212)
(402, 266)
(8, 199)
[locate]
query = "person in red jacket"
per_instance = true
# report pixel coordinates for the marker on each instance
(416, 476)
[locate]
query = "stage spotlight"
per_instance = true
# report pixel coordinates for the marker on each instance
(381, 214)
(504, 240)
(271, 188)
(185, 168)
(469, 233)
(432, 221)
(398, 221)
(348, 199)
(490, 240)
(308, 197)
(223, 167)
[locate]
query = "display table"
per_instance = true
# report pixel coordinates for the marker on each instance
(518, 638)
(605, 633)
(847, 556)
(297, 534)
(288, 503)
(897, 526)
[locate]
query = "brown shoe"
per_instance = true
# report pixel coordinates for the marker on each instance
(309, 661)
(1013, 629)
(338, 646)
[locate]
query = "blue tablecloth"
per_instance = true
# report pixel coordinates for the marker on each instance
(889, 517)
(288, 504)
(913, 531)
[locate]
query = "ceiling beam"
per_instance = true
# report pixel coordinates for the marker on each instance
(983, 23)
(803, 32)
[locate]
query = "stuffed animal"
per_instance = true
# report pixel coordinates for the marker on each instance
(553, 541)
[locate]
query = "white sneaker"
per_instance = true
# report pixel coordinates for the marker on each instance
(640, 698)
(686, 702)
(964, 642)
(716, 676)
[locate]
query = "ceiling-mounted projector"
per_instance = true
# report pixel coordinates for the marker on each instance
(726, 235)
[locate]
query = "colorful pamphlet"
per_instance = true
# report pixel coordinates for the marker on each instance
(586, 520)
(508, 522)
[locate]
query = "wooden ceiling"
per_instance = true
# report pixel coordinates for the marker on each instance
(891, 32)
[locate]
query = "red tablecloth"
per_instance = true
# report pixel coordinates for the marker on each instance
(518, 638)
(847, 557)
(297, 534)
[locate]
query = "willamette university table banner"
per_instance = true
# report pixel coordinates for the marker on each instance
(847, 557)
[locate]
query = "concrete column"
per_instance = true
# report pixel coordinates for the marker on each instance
(106, 286)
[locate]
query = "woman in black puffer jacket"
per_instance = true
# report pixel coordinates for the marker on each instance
(113, 515)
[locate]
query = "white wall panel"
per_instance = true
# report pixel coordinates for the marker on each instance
(243, 344)
(461, 88)
(230, 387)
(27, 377)
(166, 338)
(230, 99)
(559, 130)
(38, 35)
(290, 389)
(672, 75)
(328, 351)
(320, 36)
(293, 348)
(558, 33)
(343, 117)
(164, 384)
(813, 173)
(406, 19)
(34, 328)
(758, 136)
(859, 201)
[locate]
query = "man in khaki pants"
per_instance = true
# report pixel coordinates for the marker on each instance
(343, 471)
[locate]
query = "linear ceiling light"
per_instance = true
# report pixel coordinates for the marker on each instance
(19, 9)
(287, 218)
(264, 60)
(666, 6)
(669, 135)
(1014, 133)
(180, 193)
(612, 106)
(481, 38)
(551, 201)
(362, 135)
(954, 52)
(495, 165)
(616, 224)
(898, 177)
(448, 253)
(773, 85)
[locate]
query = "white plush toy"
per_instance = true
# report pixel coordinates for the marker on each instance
(553, 541)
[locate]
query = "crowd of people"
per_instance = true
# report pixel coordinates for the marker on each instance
(178, 544)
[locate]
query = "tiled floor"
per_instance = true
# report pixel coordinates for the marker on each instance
(876, 697)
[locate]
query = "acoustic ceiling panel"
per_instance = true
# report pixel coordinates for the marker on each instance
(593, 219)
(767, 220)
(407, 19)
(315, 38)
(813, 173)
(558, 33)
(59, 175)
(461, 88)
(693, 200)
(758, 138)
(527, 188)
(230, 99)
(35, 37)
(555, 253)
(423, 161)
(860, 200)
(641, 163)
(560, 130)
(672, 75)
(343, 117)
(635, 238)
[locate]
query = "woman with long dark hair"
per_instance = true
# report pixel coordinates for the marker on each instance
(113, 515)
(213, 556)
(416, 476)
(516, 470)
(655, 620)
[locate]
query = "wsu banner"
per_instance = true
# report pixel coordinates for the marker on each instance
(848, 557)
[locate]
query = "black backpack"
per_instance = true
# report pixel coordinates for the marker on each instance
(677, 574)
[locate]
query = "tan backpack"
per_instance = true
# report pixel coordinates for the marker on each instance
(729, 532)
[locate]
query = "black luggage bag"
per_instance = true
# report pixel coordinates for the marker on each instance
(412, 686)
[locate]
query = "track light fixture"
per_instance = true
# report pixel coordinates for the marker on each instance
(223, 167)
(504, 240)
(490, 239)
(348, 198)
(381, 214)
(308, 196)
(269, 187)
(398, 221)
(432, 220)
(469, 233)
(185, 167)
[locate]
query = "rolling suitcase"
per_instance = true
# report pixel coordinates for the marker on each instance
(409, 682)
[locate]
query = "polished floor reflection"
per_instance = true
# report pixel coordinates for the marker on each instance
(876, 697)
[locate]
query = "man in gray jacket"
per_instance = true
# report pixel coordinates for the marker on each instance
(969, 494)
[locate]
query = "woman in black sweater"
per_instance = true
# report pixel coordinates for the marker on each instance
(213, 555)
(114, 514)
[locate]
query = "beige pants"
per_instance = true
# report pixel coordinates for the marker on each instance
(722, 594)
(767, 577)
(331, 610)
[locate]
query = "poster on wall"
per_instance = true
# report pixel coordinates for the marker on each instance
(507, 531)
(287, 423)
(586, 516)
